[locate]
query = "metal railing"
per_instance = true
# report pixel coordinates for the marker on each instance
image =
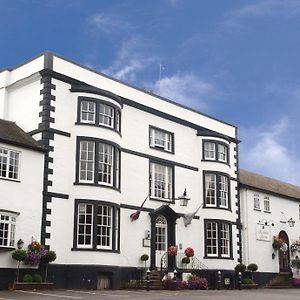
(194, 264)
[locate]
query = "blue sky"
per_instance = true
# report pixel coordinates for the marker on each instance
(235, 60)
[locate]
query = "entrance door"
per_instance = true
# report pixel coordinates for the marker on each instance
(284, 257)
(161, 238)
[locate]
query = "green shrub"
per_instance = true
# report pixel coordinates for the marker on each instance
(185, 260)
(240, 268)
(19, 255)
(248, 281)
(252, 267)
(27, 278)
(37, 278)
(295, 263)
(144, 257)
(49, 257)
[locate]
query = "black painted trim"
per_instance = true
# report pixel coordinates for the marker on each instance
(116, 149)
(49, 130)
(164, 131)
(218, 174)
(210, 133)
(216, 143)
(160, 160)
(98, 102)
(56, 195)
(133, 207)
(115, 211)
(48, 60)
(84, 88)
(218, 222)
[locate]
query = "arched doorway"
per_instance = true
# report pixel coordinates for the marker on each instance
(161, 238)
(284, 256)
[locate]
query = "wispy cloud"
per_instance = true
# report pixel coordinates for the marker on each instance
(265, 150)
(187, 89)
(132, 58)
(108, 24)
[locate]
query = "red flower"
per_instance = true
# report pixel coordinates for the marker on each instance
(172, 250)
(189, 252)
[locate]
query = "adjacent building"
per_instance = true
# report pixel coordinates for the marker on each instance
(269, 208)
(110, 146)
(21, 186)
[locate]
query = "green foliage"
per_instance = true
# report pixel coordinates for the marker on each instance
(240, 268)
(27, 278)
(248, 281)
(295, 263)
(49, 257)
(19, 255)
(252, 267)
(144, 257)
(185, 260)
(37, 278)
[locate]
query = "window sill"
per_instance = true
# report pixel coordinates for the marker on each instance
(161, 149)
(216, 161)
(96, 250)
(8, 179)
(267, 211)
(218, 257)
(162, 200)
(218, 207)
(99, 125)
(98, 185)
(256, 209)
(6, 248)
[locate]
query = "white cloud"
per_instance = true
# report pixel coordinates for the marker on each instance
(265, 150)
(131, 59)
(108, 24)
(187, 89)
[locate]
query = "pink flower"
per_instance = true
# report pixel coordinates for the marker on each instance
(172, 250)
(189, 252)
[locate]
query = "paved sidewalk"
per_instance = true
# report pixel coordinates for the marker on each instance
(261, 294)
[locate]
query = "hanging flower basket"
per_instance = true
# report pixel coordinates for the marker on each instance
(172, 251)
(277, 242)
(295, 246)
(189, 252)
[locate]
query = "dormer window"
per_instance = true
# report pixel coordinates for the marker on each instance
(161, 139)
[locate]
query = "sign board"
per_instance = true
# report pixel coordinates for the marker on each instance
(263, 232)
(146, 243)
(227, 281)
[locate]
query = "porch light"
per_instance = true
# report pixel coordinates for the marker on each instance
(183, 199)
(291, 222)
(20, 244)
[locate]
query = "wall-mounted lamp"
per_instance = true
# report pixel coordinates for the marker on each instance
(291, 222)
(273, 255)
(20, 244)
(183, 199)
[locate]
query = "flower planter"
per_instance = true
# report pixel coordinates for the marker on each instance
(33, 285)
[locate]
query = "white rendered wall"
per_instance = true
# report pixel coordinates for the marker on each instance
(24, 197)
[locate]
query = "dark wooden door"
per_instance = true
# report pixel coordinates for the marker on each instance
(284, 256)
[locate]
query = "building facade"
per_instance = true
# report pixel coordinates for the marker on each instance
(110, 147)
(268, 208)
(21, 186)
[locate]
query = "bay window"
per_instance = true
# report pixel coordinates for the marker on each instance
(215, 151)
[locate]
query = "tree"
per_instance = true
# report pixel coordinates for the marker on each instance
(19, 255)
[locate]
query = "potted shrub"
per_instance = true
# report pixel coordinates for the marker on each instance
(252, 267)
(49, 257)
(186, 260)
(240, 268)
(144, 258)
(295, 265)
(19, 255)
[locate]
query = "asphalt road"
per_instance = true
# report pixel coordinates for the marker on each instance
(261, 294)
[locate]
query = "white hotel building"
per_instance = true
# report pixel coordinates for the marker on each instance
(110, 145)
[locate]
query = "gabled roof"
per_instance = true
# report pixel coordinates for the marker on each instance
(267, 184)
(11, 133)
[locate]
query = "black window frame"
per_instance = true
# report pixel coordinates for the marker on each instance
(218, 175)
(98, 102)
(116, 152)
(160, 148)
(116, 225)
(218, 256)
(171, 200)
(216, 143)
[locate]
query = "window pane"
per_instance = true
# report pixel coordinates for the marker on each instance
(7, 230)
(88, 111)
(86, 163)
(9, 163)
(222, 153)
(106, 115)
(256, 201)
(223, 190)
(104, 226)
(209, 150)
(210, 189)
(161, 139)
(161, 181)
(105, 163)
(85, 224)
(224, 239)
(211, 238)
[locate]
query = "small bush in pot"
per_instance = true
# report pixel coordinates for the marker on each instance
(240, 268)
(27, 278)
(37, 278)
(252, 267)
(186, 260)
